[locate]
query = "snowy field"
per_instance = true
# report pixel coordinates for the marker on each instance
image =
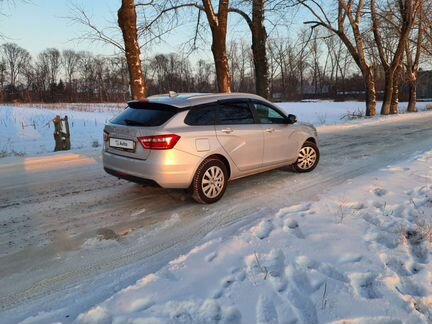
(358, 254)
(28, 131)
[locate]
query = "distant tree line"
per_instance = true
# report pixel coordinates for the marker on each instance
(76, 76)
(320, 68)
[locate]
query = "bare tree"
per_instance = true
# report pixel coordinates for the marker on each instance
(2, 72)
(2, 77)
(127, 20)
(391, 60)
(15, 58)
(348, 13)
(317, 73)
(205, 74)
(42, 76)
(341, 62)
(52, 60)
(70, 63)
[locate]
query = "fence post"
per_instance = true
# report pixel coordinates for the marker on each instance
(61, 134)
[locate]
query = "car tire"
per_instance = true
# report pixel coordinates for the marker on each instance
(308, 158)
(210, 181)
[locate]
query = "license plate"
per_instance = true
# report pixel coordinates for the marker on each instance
(122, 144)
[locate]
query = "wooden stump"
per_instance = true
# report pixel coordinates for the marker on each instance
(61, 134)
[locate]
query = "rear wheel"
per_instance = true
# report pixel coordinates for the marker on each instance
(308, 157)
(210, 181)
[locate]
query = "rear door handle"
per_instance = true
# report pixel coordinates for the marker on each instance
(269, 130)
(227, 130)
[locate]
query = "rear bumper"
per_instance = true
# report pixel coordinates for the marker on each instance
(128, 177)
(167, 169)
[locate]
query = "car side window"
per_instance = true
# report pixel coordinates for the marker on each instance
(202, 116)
(267, 115)
(236, 113)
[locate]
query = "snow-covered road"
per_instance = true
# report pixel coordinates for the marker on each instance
(53, 208)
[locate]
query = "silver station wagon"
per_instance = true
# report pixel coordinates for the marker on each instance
(200, 141)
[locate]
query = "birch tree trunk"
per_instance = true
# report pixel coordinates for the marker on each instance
(127, 21)
(412, 101)
(369, 79)
(395, 94)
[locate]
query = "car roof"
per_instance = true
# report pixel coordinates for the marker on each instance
(186, 100)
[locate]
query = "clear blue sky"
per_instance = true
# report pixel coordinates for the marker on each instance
(39, 24)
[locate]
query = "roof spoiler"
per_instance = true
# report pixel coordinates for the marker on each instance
(146, 104)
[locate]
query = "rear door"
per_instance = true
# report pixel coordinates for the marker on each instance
(239, 134)
(278, 144)
(137, 120)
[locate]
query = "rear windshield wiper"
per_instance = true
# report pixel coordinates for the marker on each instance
(130, 122)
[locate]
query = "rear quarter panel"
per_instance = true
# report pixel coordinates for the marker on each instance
(200, 141)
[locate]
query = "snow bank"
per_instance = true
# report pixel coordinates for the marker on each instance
(360, 254)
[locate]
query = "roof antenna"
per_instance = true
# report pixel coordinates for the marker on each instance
(173, 94)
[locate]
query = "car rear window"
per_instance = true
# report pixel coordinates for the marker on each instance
(145, 115)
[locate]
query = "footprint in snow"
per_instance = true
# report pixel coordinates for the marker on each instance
(417, 247)
(291, 225)
(414, 267)
(267, 267)
(350, 258)
(293, 210)
(410, 288)
(324, 268)
(388, 240)
(211, 256)
(380, 192)
(265, 311)
(395, 265)
(424, 191)
(304, 306)
(364, 285)
(301, 279)
(263, 229)
(227, 281)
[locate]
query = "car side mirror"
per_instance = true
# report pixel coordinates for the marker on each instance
(291, 119)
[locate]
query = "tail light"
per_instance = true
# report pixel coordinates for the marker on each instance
(159, 142)
(105, 136)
